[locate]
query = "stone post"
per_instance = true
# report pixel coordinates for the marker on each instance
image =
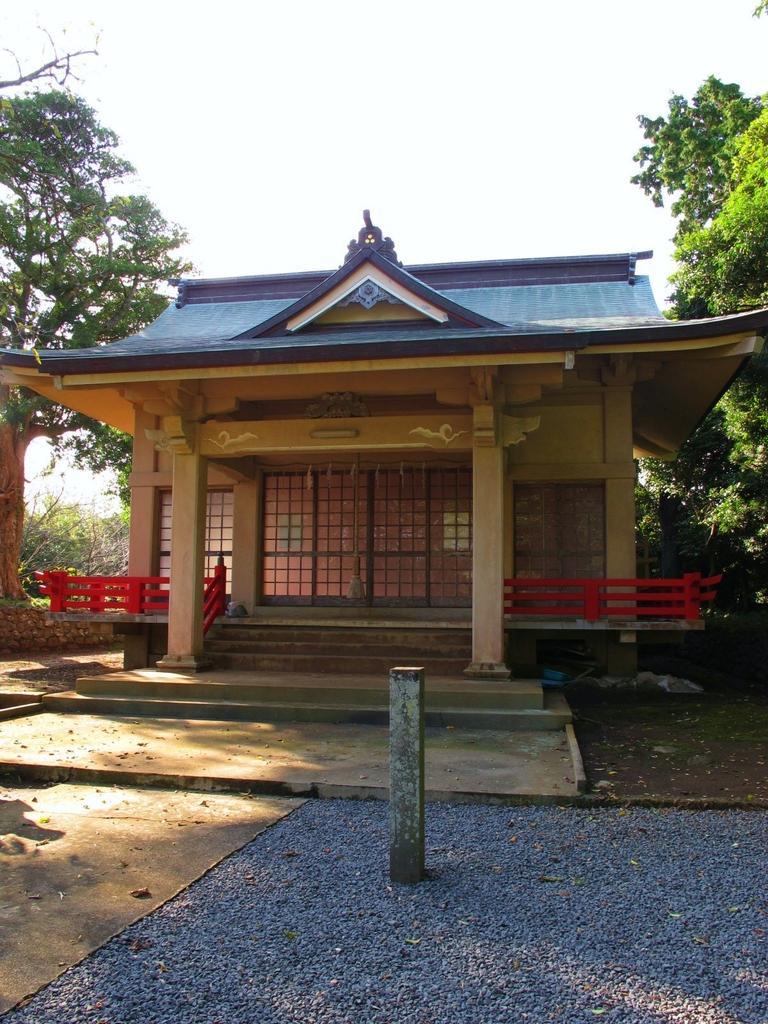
(406, 774)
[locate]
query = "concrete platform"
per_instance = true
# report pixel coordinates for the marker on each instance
(301, 759)
(311, 697)
(71, 856)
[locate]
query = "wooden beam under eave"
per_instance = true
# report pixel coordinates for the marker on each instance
(746, 341)
(234, 470)
(572, 471)
(293, 370)
(445, 431)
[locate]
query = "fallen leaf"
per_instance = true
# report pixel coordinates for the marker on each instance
(141, 894)
(289, 934)
(413, 942)
(551, 878)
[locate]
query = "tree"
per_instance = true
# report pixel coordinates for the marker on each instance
(711, 503)
(689, 154)
(724, 265)
(62, 536)
(80, 264)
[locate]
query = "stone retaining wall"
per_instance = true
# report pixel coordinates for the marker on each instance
(27, 630)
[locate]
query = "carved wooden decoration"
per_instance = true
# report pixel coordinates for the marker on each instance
(368, 294)
(159, 439)
(517, 427)
(444, 433)
(177, 435)
(337, 405)
(227, 443)
(371, 237)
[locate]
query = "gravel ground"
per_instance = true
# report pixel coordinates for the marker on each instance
(530, 914)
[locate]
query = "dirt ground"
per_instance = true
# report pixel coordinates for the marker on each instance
(51, 673)
(713, 744)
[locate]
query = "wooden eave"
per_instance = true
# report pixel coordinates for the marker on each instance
(438, 343)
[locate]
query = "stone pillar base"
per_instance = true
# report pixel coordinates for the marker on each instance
(136, 650)
(487, 670)
(184, 663)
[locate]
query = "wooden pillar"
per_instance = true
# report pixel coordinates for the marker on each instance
(488, 660)
(185, 612)
(143, 535)
(620, 558)
(246, 538)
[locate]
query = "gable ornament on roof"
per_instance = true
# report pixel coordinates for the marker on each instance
(370, 237)
(368, 294)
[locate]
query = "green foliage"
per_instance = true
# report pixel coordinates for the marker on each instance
(27, 602)
(99, 447)
(708, 509)
(81, 261)
(724, 266)
(73, 537)
(689, 154)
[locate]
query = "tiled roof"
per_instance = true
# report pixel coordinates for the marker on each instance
(599, 304)
(530, 309)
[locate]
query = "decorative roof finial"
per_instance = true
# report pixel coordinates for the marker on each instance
(370, 237)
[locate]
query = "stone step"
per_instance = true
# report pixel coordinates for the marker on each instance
(555, 715)
(346, 637)
(382, 649)
(356, 692)
(344, 664)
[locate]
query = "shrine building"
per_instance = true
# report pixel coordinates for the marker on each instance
(443, 445)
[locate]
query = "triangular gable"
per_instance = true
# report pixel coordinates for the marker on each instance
(368, 266)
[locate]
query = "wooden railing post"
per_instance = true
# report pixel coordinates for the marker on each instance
(220, 575)
(133, 596)
(691, 595)
(591, 600)
(56, 583)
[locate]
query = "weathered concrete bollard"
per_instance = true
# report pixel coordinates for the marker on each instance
(406, 774)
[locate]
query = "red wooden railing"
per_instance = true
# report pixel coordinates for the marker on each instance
(133, 595)
(605, 599)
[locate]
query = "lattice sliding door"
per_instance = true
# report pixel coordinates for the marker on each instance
(414, 536)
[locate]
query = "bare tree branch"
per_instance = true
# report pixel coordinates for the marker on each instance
(58, 68)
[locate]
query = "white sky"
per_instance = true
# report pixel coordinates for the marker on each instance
(472, 131)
